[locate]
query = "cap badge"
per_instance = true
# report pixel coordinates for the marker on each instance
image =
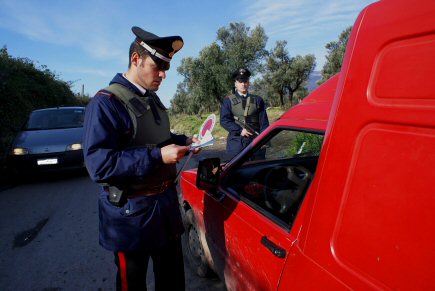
(176, 46)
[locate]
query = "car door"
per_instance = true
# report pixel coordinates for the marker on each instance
(248, 231)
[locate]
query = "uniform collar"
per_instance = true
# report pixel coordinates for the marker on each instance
(139, 87)
(241, 95)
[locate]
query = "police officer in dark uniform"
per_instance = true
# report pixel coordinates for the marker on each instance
(239, 109)
(130, 151)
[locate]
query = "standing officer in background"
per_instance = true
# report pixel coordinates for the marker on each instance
(242, 108)
(129, 149)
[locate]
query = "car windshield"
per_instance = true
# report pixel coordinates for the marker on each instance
(292, 144)
(55, 119)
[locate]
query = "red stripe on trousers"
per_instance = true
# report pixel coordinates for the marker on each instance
(123, 271)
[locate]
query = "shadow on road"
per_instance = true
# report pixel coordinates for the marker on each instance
(9, 180)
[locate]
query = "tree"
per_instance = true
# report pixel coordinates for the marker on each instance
(263, 87)
(181, 103)
(207, 79)
(25, 87)
(287, 74)
(202, 83)
(335, 55)
(241, 47)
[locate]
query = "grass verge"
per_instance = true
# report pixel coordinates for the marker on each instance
(190, 124)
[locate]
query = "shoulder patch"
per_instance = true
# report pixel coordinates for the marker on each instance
(104, 92)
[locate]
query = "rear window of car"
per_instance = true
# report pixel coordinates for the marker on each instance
(55, 119)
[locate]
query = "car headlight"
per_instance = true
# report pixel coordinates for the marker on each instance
(74, 147)
(19, 151)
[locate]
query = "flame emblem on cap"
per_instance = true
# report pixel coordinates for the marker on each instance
(176, 46)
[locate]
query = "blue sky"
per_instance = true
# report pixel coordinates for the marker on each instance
(87, 41)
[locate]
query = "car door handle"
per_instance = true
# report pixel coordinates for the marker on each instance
(276, 250)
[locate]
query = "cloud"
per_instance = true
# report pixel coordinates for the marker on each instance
(307, 25)
(296, 17)
(65, 24)
(268, 12)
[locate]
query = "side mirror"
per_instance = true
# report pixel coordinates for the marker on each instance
(208, 174)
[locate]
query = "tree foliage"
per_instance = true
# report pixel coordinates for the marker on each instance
(311, 143)
(285, 75)
(25, 87)
(241, 47)
(207, 78)
(278, 77)
(335, 55)
(203, 85)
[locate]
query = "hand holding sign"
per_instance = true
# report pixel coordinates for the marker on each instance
(205, 137)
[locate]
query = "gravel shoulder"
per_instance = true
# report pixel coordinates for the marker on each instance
(218, 149)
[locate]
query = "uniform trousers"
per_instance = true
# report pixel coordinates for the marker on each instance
(167, 265)
(236, 144)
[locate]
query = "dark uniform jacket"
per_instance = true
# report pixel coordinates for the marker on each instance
(235, 142)
(144, 222)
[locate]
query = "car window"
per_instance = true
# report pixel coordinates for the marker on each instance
(55, 119)
(276, 175)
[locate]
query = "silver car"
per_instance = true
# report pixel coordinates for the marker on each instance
(51, 139)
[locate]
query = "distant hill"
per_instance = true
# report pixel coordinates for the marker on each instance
(312, 80)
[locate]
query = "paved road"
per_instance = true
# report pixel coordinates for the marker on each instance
(49, 238)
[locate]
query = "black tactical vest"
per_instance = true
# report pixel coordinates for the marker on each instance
(249, 112)
(151, 129)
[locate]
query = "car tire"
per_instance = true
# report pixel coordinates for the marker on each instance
(193, 247)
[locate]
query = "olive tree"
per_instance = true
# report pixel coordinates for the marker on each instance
(207, 78)
(287, 74)
(335, 55)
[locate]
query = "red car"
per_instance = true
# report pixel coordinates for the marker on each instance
(344, 196)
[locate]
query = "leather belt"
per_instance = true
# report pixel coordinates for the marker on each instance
(153, 190)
